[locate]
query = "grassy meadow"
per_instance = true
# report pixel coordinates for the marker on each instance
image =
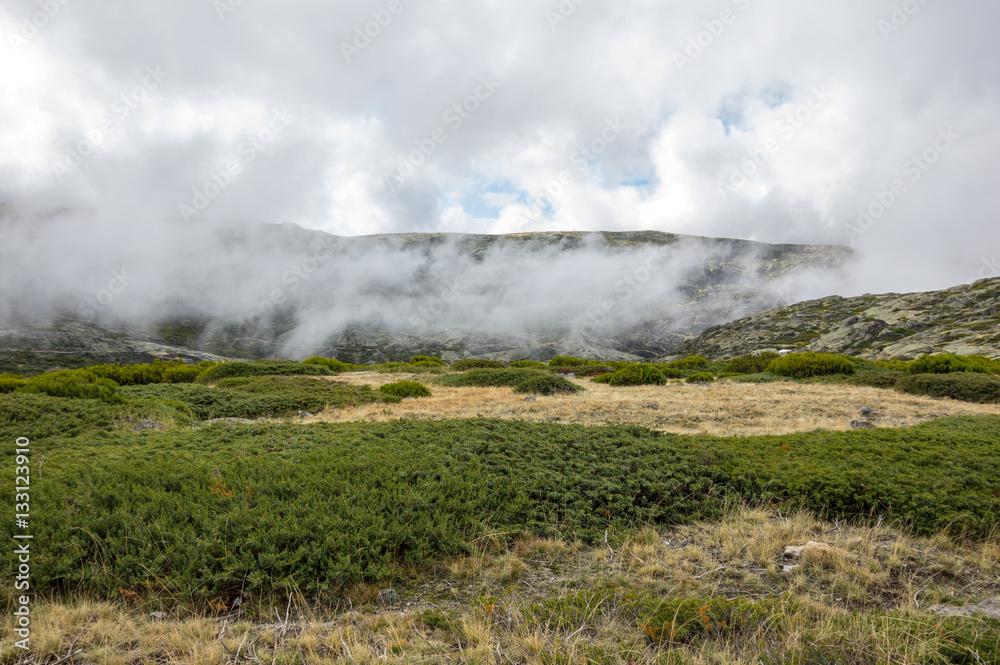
(414, 512)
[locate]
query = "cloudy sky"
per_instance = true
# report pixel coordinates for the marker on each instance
(863, 122)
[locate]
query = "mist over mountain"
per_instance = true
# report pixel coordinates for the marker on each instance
(263, 289)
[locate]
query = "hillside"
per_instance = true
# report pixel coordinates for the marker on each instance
(963, 319)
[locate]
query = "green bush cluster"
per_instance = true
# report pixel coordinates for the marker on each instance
(427, 360)
(637, 375)
(260, 396)
(262, 368)
(73, 383)
(946, 363)
(477, 363)
(965, 386)
(805, 365)
(751, 364)
(521, 380)
(528, 364)
(545, 384)
(691, 362)
(670, 372)
(331, 364)
(270, 507)
(700, 377)
(174, 371)
(569, 361)
(404, 389)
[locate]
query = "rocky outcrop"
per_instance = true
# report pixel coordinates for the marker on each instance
(963, 319)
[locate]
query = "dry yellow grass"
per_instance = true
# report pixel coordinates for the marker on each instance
(722, 409)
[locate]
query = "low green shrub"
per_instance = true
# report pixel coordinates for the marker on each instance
(751, 364)
(74, 383)
(603, 378)
(11, 382)
(262, 368)
(545, 384)
(528, 364)
(174, 371)
(965, 386)
(261, 396)
(477, 363)
(669, 372)
(947, 363)
(691, 362)
(331, 364)
(638, 375)
(592, 370)
(418, 360)
(805, 365)
(276, 507)
(569, 361)
(701, 377)
(404, 389)
(521, 380)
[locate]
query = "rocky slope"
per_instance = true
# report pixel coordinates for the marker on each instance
(963, 319)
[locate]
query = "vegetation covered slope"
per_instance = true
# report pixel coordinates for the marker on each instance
(963, 320)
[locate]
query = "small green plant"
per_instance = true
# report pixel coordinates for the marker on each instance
(965, 386)
(404, 389)
(637, 375)
(805, 365)
(701, 377)
(691, 362)
(477, 363)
